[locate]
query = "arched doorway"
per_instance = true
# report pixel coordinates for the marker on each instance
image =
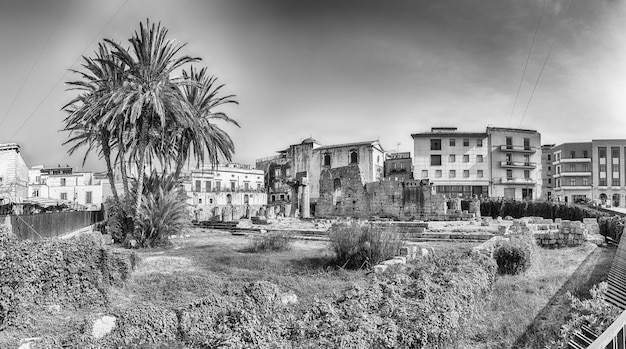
(603, 199)
(229, 199)
(616, 200)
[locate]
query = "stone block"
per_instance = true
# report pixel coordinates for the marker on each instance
(558, 220)
(392, 262)
(590, 220)
(380, 268)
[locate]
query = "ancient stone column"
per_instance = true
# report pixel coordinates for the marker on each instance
(305, 205)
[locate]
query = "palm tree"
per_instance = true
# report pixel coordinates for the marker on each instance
(198, 135)
(150, 98)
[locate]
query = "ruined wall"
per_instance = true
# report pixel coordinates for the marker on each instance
(343, 193)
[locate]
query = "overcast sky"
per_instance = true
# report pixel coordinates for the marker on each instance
(340, 71)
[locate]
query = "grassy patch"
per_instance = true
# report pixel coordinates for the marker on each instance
(527, 310)
(273, 242)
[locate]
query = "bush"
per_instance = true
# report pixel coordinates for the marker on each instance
(271, 242)
(358, 246)
(119, 220)
(515, 256)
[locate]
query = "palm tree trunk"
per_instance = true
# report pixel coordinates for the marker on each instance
(180, 161)
(143, 145)
(106, 150)
(122, 155)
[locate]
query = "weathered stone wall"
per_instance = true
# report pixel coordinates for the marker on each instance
(226, 213)
(343, 194)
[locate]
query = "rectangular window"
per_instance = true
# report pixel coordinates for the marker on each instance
(558, 169)
(424, 173)
(585, 181)
(585, 154)
(615, 182)
(549, 168)
(452, 142)
(602, 152)
(509, 174)
(198, 186)
(63, 182)
(246, 186)
(466, 158)
(218, 185)
(615, 168)
(479, 173)
(63, 196)
(549, 157)
(207, 186)
(526, 143)
(35, 192)
(232, 186)
(465, 173)
(572, 182)
(602, 168)
(527, 174)
(437, 173)
(435, 160)
(435, 144)
(572, 154)
(615, 152)
(452, 158)
(509, 142)
(88, 197)
(572, 168)
(258, 186)
(277, 172)
(452, 174)
(401, 165)
(526, 160)
(585, 168)
(603, 182)
(479, 142)
(549, 180)
(479, 158)
(466, 142)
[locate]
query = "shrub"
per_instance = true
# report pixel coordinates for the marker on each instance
(515, 256)
(119, 220)
(271, 242)
(594, 313)
(358, 246)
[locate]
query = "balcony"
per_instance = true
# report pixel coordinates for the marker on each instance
(572, 161)
(517, 180)
(518, 149)
(518, 164)
(573, 174)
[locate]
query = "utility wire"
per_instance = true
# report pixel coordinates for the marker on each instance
(569, 4)
(61, 78)
(530, 49)
(19, 91)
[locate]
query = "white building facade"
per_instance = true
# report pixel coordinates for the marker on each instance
(80, 190)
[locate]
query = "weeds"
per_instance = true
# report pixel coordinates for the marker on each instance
(357, 246)
(273, 242)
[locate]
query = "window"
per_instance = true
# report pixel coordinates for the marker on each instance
(88, 197)
(615, 182)
(585, 168)
(354, 157)
(63, 196)
(465, 173)
(452, 158)
(601, 152)
(246, 186)
(258, 186)
(509, 174)
(435, 160)
(602, 168)
(218, 185)
(479, 142)
(526, 143)
(232, 186)
(452, 174)
(210, 201)
(603, 182)
(198, 186)
(401, 165)
(437, 173)
(572, 168)
(35, 192)
(395, 165)
(509, 158)
(277, 172)
(282, 196)
(572, 182)
(585, 154)
(424, 173)
(615, 168)
(479, 158)
(63, 182)
(585, 181)
(452, 142)
(479, 173)
(435, 144)
(207, 186)
(466, 158)
(326, 159)
(549, 157)
(549, 168)
(200, 200)
(526, 160)
(558, 169)
(572, 154)
(287, 172)
(509, 142)
(549, 180)
(527, 174)
(615, 152)
(558, 182)
(465, 142)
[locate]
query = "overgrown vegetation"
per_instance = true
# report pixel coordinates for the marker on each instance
(515, 256)
(276, 242)
(362, 246)
(610, 225)
(72, 273)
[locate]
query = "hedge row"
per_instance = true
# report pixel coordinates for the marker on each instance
(71, 273)
(428, 305)
(610, 225)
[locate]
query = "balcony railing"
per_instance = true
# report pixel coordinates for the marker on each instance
(518, 164)
(518, 148)
(573, 174)
(517, 180)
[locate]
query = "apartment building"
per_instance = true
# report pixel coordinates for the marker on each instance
(546, 171)
(80, 190)
(456, 163)
(500, 162)
(515, 163)
(608, 171)
(13, 171)
(227, 184)
(572, 172)
(399, 166)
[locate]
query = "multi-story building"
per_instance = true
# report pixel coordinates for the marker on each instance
(501, 162)
(399, 166)
(228, 184)
(608, 161)
(546, 171)
(455, 163)
(515, 162)
(80, 190)
(572, 172)
(301, 165)
(13, 172)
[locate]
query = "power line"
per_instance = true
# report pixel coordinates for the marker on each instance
(61, 78)
(19, 91)
(519, 88)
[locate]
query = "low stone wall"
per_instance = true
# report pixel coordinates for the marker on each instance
(408, 252)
